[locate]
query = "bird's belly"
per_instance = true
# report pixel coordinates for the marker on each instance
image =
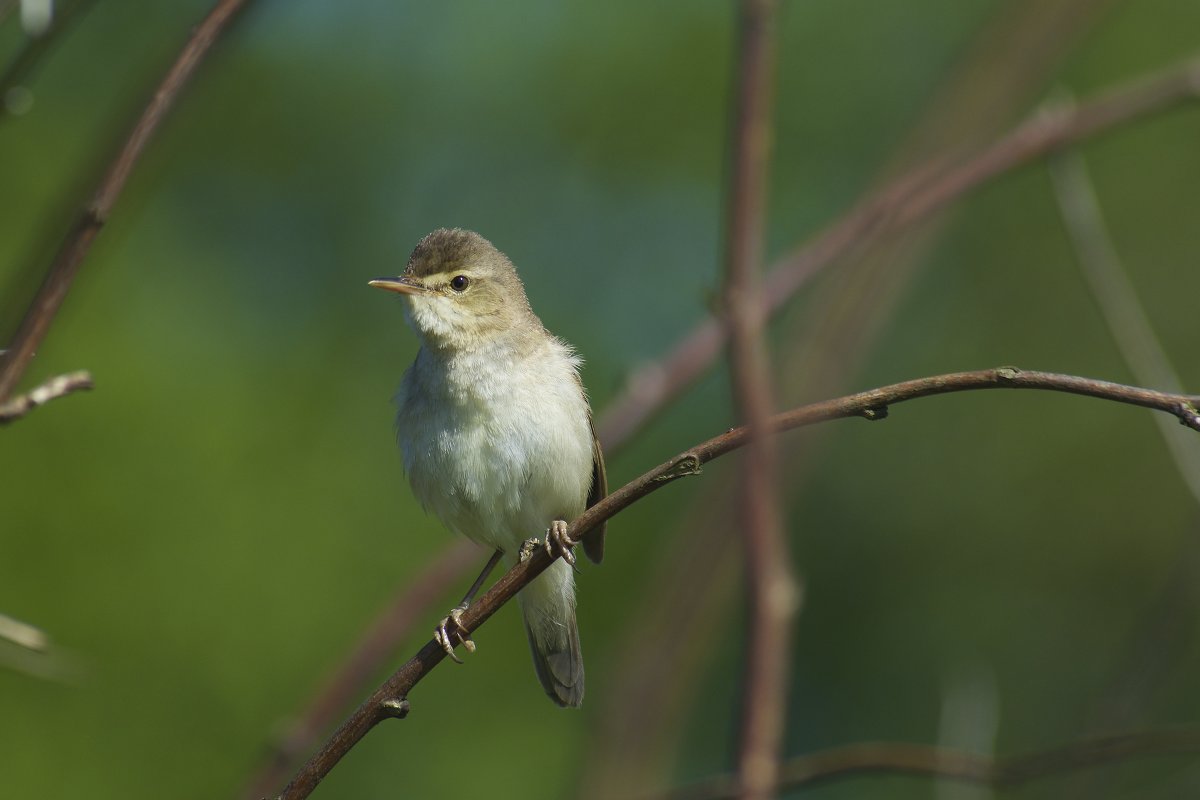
(498, 475)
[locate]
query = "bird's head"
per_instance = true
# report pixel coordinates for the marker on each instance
(460, 291)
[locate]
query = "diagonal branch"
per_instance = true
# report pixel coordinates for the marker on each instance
(65, 266)
(902, 758)
(896, 207)
(390, 699)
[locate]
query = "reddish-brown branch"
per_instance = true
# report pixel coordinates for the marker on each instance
(770, 587)
(390, 699)
(65, 266)
(901, 758)
(898, 206)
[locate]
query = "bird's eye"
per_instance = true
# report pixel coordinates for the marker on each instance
(459, 283)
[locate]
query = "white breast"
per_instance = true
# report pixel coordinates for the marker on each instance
(495, 444)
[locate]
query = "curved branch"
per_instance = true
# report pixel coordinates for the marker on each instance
(65, 266)
(390, 699)
(896, 207)
(901, 758)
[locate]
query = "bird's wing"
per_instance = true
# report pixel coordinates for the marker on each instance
(593, 544)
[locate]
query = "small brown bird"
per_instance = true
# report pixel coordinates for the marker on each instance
(497, 433)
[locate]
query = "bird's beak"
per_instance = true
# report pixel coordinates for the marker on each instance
(403, 284)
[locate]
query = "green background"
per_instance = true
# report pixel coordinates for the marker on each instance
(207, 532)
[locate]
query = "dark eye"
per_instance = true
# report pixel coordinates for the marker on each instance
(459, 283)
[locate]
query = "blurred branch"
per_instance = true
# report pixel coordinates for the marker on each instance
(896, 207)
(978, 97)
(1118, 301)
(913, 759)
(773, 595)
(33, 49)
(390, 699)
(393, 624)
(23, 634)
(52, 389)
(968, 719)
(65, 266)
(29, 651)
(1162, 633)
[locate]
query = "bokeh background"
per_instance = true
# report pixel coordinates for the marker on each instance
(210, 530)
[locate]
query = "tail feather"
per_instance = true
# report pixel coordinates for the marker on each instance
(548, 606)
(560, 671)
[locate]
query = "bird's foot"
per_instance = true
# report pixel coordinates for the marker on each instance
(527, 548)
(558, 543)
(451, 628)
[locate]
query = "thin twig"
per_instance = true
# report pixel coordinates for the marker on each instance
(65, 266)
(390, 699)
(773, 596)
(52, 389)
(898, 206)
(901, 758)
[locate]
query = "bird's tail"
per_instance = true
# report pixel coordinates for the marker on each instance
(548, 605)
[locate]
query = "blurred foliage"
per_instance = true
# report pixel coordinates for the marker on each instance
(207, 532)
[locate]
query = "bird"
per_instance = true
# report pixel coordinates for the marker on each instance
(497, 436)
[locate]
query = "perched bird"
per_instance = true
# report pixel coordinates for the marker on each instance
(497, 434)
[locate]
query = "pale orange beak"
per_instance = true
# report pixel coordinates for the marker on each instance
(402, 285)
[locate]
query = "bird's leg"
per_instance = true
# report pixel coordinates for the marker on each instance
(558, 543)
(451, 627)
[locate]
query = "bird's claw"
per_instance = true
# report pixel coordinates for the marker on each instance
(450, 628)
(527, 548)
(558, 543)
